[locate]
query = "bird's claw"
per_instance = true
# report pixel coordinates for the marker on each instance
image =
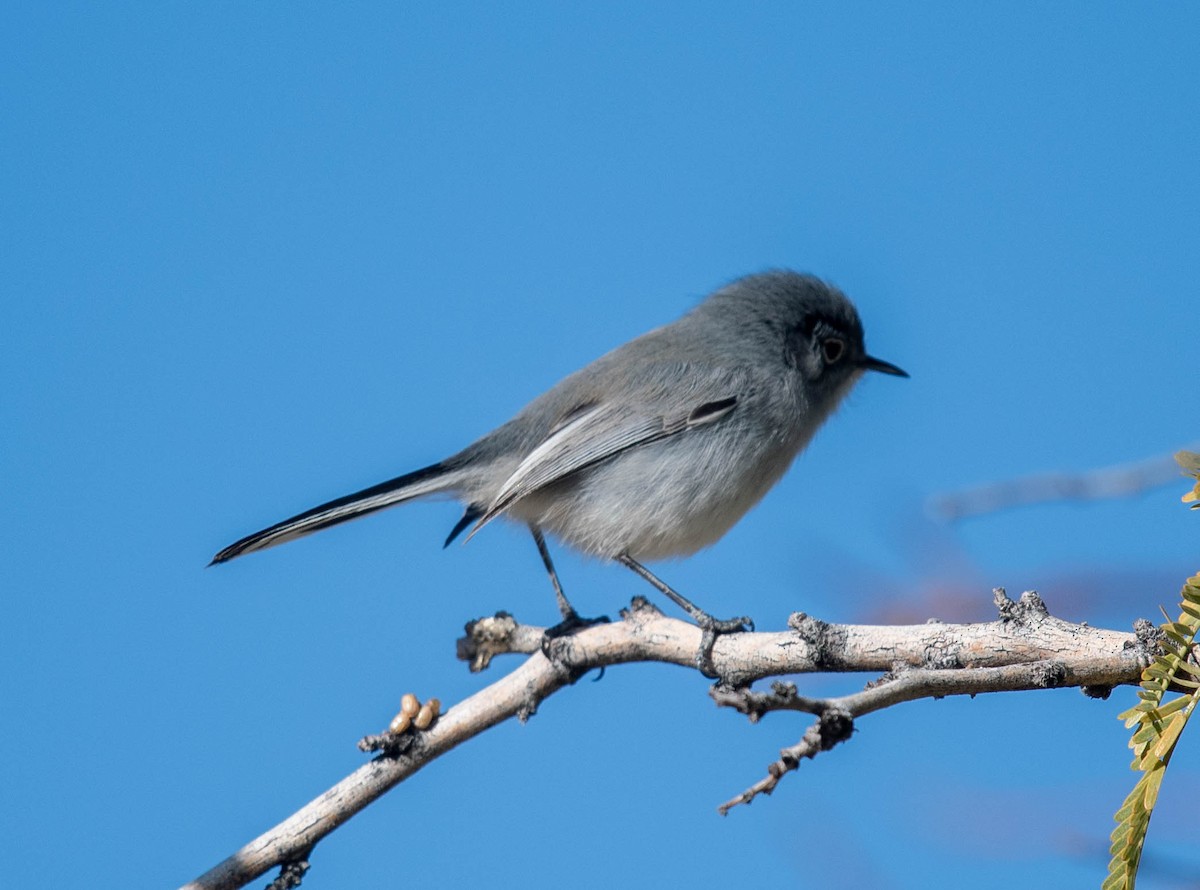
(571, 623)
(711, 628)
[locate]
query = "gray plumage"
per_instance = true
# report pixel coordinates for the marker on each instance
(657, 448)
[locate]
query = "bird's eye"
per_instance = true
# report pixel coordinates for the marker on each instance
(833, 349)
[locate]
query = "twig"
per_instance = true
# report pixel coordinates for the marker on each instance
(836, 716)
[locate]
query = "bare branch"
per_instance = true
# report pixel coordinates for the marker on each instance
(1025, 649)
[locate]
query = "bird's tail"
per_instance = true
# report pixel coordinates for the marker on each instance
(429, 480)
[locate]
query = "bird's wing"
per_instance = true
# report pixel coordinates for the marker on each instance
(592, 433)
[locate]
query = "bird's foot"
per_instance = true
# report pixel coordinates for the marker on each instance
(572, 623)
(711, 628)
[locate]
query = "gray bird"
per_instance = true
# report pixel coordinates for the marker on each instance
(655, 449)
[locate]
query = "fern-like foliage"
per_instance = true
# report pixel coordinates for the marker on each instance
(1157, 723)
(1190, 461)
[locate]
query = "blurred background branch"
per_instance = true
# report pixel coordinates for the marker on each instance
(1119, 480)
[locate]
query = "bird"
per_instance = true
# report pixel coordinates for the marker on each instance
(655, 449)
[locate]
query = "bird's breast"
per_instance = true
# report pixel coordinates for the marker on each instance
(670, 498)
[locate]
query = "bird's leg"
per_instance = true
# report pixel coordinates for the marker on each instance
(711, 627)
(571, 621)
(564, 605)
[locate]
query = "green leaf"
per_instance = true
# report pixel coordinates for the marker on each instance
(1170, 738)
(1153, 783)
(1186, 684)
(1145, 734)
(1182, 640)
(1190, 668)
(1190, 608)
(1175, 704)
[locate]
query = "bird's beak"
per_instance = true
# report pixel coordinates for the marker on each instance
(877, 364)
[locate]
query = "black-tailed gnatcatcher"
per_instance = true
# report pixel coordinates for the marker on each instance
(655, 449)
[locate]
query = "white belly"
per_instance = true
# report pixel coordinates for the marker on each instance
(670, 498)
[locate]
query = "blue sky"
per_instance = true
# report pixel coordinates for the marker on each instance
(258, 256)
